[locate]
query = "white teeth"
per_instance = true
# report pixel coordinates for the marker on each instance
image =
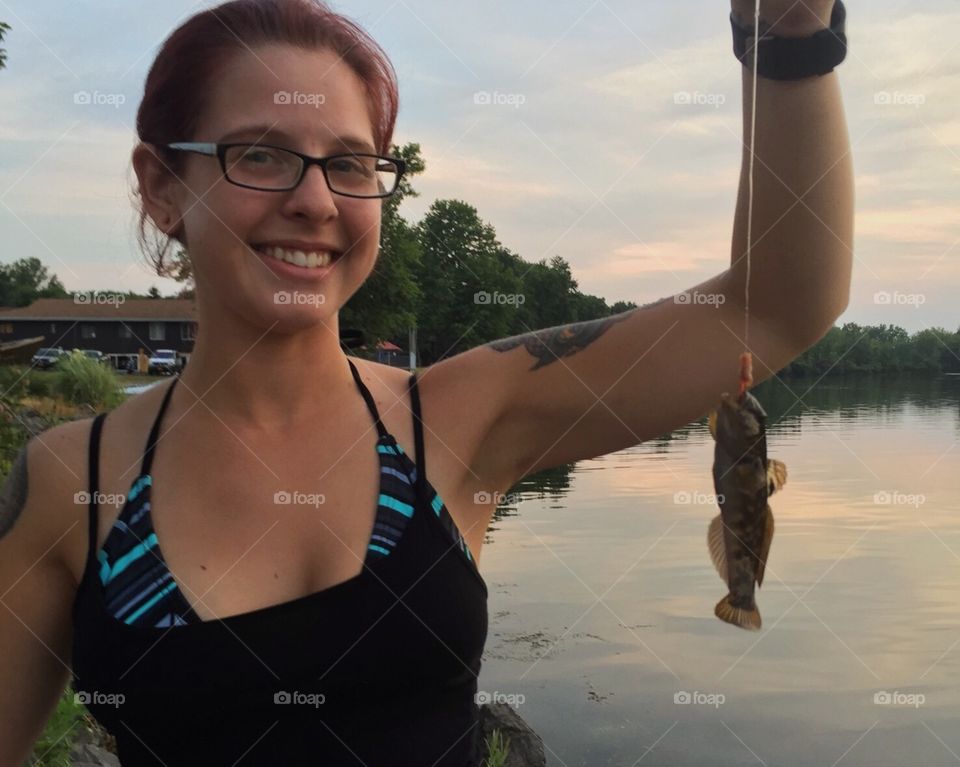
(308, 260)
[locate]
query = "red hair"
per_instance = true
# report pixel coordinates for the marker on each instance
(184, 70)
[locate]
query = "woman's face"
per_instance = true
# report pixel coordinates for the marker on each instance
(313, 103)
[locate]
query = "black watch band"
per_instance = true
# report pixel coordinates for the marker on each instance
(793, 58)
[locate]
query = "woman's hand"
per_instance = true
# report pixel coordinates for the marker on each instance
(786, 18)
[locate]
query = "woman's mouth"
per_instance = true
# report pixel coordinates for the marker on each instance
(302, 259)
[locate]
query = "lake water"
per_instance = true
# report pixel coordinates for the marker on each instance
(602, 593)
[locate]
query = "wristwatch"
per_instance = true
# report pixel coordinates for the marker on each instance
(793, 58)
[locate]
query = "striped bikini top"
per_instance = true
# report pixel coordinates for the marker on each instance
(138, 589)
(381, 668)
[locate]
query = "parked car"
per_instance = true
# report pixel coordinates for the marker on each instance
(47, 356)
(96, 355)
(164, 362)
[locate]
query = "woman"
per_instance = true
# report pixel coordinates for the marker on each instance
(315, 594)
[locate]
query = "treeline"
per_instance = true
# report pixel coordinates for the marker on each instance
(854, 348)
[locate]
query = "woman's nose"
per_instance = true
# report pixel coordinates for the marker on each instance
(312, 197)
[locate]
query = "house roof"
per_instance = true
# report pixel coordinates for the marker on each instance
(170, 309)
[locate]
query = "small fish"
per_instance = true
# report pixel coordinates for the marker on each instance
(739, 537)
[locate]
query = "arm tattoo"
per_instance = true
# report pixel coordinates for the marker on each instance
(549, 344)
(13, 496)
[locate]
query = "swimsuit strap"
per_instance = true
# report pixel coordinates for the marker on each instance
(93, 462)
(155, 430)
(418, 435)
(368, 398)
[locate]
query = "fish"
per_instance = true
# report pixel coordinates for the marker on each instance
(744, 478)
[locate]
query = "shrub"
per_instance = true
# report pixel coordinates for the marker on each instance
(83, 381)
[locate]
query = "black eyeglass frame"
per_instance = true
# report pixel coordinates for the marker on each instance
(218, 150)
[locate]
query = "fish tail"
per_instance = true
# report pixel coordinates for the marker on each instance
(738, 616)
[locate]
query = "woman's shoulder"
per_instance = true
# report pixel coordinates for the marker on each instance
(58, 461)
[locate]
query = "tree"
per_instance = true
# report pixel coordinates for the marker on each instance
(26, 280)
(153, 292)
(4, 28)
(385, 305)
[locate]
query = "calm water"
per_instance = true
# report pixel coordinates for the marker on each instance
(602, 594)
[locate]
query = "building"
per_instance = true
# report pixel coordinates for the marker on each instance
(118, 329)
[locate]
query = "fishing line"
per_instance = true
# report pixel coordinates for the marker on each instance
(746, 359)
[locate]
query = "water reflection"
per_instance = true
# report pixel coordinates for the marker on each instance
(602, 592)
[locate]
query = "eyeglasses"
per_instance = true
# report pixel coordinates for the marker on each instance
(275, 169)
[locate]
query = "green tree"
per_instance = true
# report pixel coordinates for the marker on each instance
(26, 280)
(385, 306)
(153, 292)
(468, 297)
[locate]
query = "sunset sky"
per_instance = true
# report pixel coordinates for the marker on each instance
(584, 152)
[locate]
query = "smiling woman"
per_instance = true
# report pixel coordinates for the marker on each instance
(280, 582)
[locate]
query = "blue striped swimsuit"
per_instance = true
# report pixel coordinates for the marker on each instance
(138, 589)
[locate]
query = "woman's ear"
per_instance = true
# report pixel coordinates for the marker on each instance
(158, 189)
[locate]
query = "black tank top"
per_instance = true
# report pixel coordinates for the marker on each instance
(380, 669)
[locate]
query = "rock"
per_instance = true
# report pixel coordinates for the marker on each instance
(86, 751)
(525, 747)
(89, 755)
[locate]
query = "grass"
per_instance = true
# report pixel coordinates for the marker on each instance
(497, 750)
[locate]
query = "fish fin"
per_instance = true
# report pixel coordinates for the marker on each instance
(718, 550)
(737, 616)
(776, 475)
(712, 423)
(765, 544)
